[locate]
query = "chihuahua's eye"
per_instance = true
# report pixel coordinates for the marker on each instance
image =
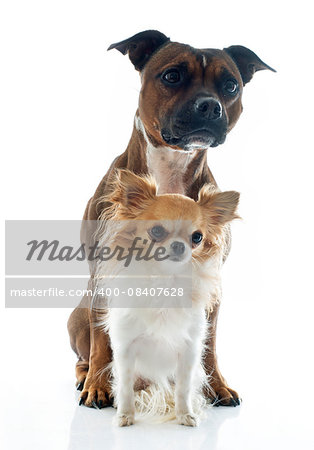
(231, 87)
(171, 76)
(157, 233)
(197, 238)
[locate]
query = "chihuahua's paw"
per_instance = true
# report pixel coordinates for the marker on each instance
(189, 420)
(124, 420)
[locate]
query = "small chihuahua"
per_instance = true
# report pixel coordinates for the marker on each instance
(157, 343)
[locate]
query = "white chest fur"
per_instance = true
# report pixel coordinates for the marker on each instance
(162, 346)
(154, 338)
(167, 166)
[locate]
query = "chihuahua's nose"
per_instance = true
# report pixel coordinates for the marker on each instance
(208, 107)
(178, 247)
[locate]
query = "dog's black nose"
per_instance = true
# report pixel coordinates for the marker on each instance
(178, 247)
(208, 107)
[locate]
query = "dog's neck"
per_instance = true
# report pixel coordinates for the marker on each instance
(175, 171)
(168, 167)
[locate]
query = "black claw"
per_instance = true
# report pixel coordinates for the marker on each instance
(218, 401)
(109, 399)
(79, 387)
(95, 404)
(81, 401)
(215, 402)
(100, 404)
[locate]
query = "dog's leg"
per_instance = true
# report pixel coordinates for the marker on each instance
(97, 391)
(187, 361)
(219, 392)
(81, 371)
(124, 366)
(78, 327)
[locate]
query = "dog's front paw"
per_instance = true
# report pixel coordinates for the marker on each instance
(188, 419)
(124, 420)
(220, 394)
(225, 396)
(96, 394)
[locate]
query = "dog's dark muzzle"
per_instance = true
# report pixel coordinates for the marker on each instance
(201, 123)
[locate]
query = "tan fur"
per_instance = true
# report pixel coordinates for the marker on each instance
(91, 345)
(134, 209)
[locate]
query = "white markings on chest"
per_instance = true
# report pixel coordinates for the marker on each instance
(169, 167)
(204, 61)
(166, 165)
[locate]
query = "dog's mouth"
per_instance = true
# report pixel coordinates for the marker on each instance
(199, 138)
(176, 258)
(196, 139)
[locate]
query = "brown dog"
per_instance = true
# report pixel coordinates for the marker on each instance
(190, 99)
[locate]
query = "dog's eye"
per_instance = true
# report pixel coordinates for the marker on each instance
(231, 87)
(171, 76)
(196, 238)
(157, 233)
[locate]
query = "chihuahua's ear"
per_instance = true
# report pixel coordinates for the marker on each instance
(247, 62)
(133, 192)
(141, 46)
(220, 206)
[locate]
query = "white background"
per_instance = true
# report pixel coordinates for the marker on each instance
(67, 108)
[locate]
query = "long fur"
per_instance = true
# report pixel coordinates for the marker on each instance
(157, 335)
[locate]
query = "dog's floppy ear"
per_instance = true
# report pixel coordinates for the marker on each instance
(247, 62)
(141, 46)
(133, 192)
(220, 207)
